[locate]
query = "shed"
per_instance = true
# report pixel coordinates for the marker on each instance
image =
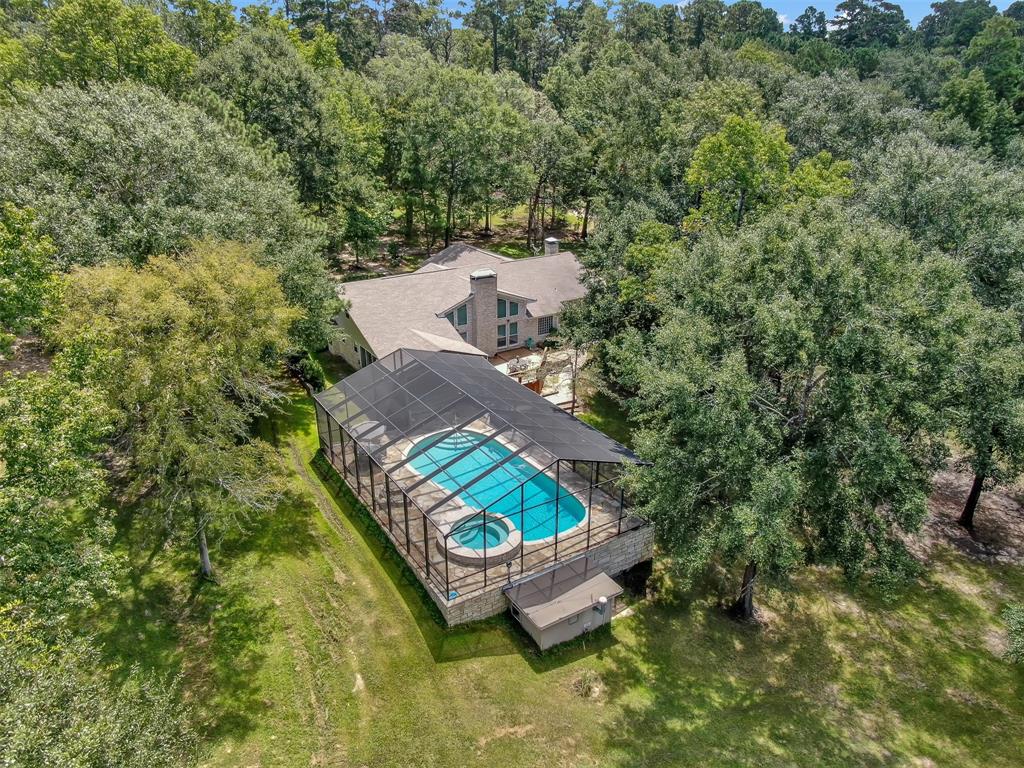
(563, 602)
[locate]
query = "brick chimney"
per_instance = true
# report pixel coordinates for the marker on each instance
(550, 246)
(483, 285)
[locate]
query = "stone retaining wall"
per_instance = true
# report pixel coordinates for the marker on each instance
(614, 557)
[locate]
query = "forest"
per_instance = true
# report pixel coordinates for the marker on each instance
(803, 246)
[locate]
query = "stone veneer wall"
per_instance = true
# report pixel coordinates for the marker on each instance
(613, 556)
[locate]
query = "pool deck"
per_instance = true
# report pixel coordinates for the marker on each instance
(416, 539)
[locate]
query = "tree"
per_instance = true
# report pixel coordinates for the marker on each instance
(141, 175)
(25, 263)
(953, 23)
(55, 709)
(951, 200)
(702, 20)
(954, 201)
(366, 204)
(841, 115)
(970, 97)
(810, 24)
(750, 19)
(88, 40)
(194, 345)
(991, 404)
(262, 73)
(739, 168)
(54, 535)
(203, 25)
(446, 133)
(792, 394)
(1015, 11)
(862, 23)
(998, 50)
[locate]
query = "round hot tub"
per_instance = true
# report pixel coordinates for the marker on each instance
(471, 538)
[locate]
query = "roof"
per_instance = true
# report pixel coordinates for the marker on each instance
(402, 310)
(561, 592)
(461, 255)
(412, 393)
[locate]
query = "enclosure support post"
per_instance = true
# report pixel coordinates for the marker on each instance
(558, 493)
(344, 455)
(373, 489)
(426, 550)
(590, 505)
(330, 437)
(355, 462)
(522, 528)
(405, 512)
(622, 504)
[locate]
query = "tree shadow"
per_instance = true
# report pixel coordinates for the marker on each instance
(696, 687)
(211, 634)
(492, 637)
(837, 676)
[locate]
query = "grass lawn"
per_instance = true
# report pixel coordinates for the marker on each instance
(604, 413)
(316, 648)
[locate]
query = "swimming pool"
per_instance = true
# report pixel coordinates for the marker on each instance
(493, 492)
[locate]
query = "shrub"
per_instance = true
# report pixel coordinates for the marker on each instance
(310, 372)
(1013, 615)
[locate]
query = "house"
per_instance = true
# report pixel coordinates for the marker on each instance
(462, 299)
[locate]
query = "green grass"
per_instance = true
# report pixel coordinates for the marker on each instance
(604, 413)
(317, 648)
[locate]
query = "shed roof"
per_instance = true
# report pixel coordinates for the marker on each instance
(562, 591)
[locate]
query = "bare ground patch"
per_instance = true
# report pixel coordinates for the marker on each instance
(998, 523)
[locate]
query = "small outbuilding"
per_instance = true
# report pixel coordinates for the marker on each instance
(563, 602)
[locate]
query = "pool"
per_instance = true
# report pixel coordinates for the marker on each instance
(494, 492)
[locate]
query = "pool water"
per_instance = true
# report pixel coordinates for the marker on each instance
(497, 492)
(474, 533)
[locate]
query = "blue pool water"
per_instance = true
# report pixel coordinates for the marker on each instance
(498, 491)
(473, 533)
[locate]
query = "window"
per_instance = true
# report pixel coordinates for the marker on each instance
(513, 308)
(513, 334)
(365, 357)
(573, 619)
(502, 338)
(544, 325)
(502, 306)
(457, 316)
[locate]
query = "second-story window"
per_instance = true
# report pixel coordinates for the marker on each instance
(508, 308)
(458, 316)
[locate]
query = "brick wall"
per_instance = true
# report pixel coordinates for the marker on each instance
(484, 308)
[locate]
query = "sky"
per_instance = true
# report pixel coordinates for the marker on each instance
(915, 10)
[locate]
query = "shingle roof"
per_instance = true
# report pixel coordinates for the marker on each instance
(461, 255)
(401, 310)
